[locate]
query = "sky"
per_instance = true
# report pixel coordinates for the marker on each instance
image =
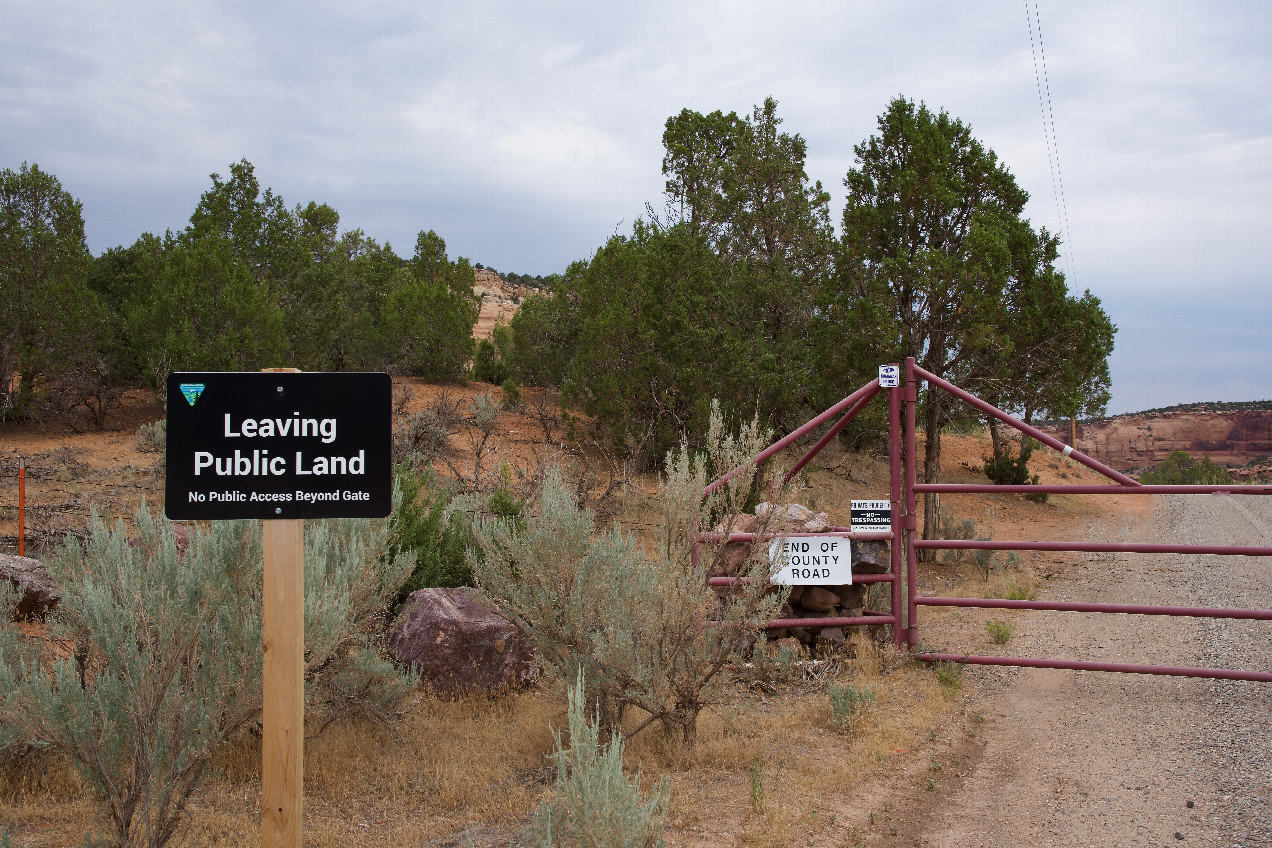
(526, 134)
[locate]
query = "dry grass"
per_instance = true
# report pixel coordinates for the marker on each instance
(449, 765)
(800, 753)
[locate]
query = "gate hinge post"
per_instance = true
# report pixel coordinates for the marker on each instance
(910, 522)
(911, 394)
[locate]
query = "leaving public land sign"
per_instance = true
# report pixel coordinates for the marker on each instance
(279, 445)
(811, 561)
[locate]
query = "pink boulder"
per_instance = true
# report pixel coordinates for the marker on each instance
(459, 644)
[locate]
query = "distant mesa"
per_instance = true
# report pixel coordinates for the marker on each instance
(1231, 434)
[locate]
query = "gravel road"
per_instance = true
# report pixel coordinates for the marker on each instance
(1087, 759)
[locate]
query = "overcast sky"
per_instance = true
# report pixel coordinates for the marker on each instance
(528, 133)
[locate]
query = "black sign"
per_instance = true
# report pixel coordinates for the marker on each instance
(870, 515)
(279, 445)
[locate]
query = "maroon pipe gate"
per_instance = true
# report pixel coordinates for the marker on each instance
(903, 573)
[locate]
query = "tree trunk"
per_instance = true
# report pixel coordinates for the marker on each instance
(931, 474)
(995, 436)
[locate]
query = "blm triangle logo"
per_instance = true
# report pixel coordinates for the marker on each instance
(191, 391)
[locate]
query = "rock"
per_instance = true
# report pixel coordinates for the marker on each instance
(853, 595)
(829, 636)
(1228, 437)
(871, 558)
(741, 524)
(797, 513)
(817, 524)
(459, 644)
(732, 559)
(818, 599)
(797, 592)
(800, 633)
(36, 590)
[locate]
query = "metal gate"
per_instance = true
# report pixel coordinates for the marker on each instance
(903, 542)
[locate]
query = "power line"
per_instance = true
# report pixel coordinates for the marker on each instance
(1043, 83)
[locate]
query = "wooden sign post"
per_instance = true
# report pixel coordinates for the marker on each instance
(281, 446)
(283, 730)
(283, 679)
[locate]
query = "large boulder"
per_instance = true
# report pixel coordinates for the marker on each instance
(871, 558)
(36, 592)
(459, 644)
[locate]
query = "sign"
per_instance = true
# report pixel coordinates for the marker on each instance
(279, 445)
(811, 561)
(870, 515)
(889, 376)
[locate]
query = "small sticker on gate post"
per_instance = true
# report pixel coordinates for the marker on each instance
(889, 376)
(870, 516)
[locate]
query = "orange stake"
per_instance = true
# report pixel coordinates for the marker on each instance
(21, 507)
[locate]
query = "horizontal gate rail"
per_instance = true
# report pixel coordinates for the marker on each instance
(1121, 485)
(844, 532)
(1081, 606)
(1080, 665)
(1090, 547)
(1078, 489)
(856, 578)
(853, 621)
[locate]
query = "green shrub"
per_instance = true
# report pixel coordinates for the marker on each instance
(1179, 468)
(1000, 631)
(511, 394)
(163, 659)
(949, 675)
(595, 806)
(1007, 470)
(1019, 592)
(635, 619)
(848, 701)
(153, 437)
(488, 367)
(439, 538)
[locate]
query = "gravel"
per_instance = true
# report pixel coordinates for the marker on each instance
(1084, 758)
(1236, 738)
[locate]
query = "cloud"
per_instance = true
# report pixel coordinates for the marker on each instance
(526, 134)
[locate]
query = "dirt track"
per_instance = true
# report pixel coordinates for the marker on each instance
(1087, 759)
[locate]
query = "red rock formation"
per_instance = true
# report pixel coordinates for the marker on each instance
(1131, 442)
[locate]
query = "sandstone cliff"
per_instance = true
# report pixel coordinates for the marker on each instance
(1139, 441)
(499, 301)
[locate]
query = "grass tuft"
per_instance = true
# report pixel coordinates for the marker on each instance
(1000, 631)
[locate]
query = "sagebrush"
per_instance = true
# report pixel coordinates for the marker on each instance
(643, 624)
(153, 657)
(595, 805)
